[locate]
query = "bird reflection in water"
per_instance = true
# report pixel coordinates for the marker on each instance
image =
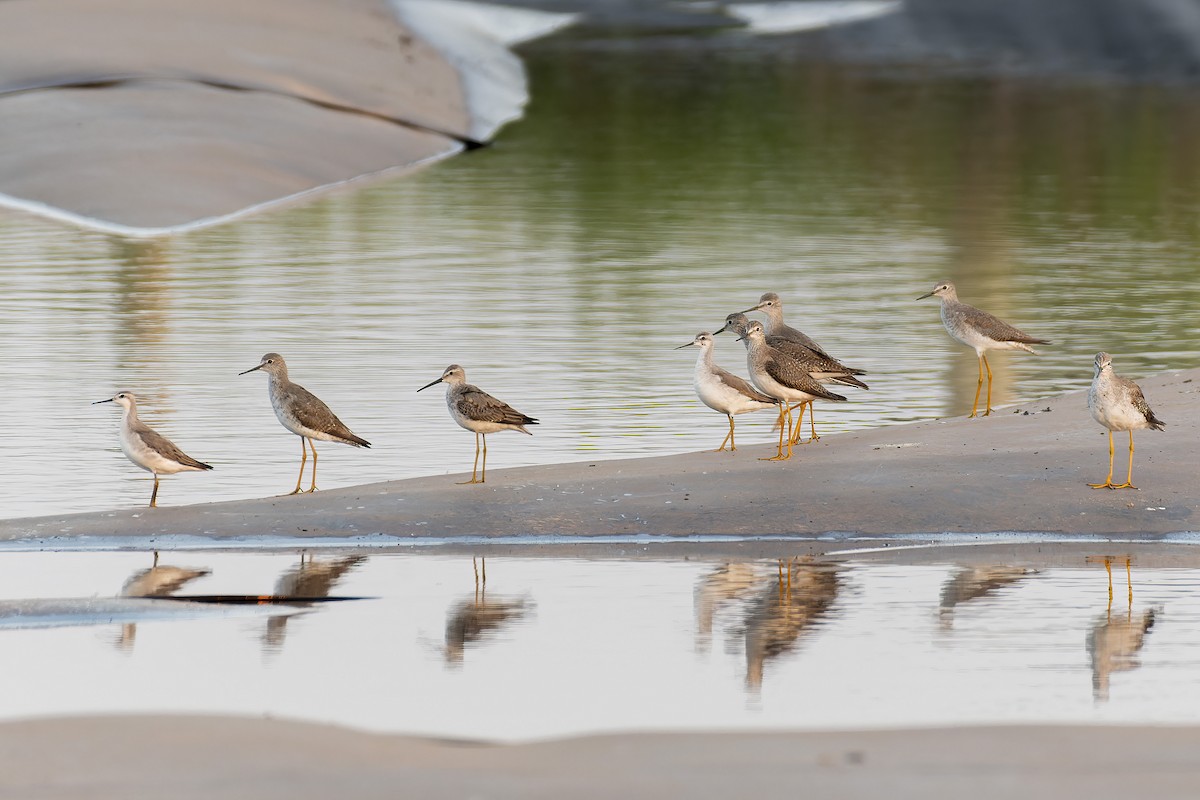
(794, 602)
(728, 583)
(972, 583)
(156, 581)
(477, 617)
(1114, 642)
(310, 579)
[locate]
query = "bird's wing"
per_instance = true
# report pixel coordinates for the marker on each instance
(791, 373)
(474, 403)
(810, 357)
(165, 447)
(803, 339)
(994, 327)
(311, 412)
(1139, 402)
(742, 386)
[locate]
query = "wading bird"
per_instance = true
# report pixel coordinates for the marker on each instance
(1118, 404)
(723, 391)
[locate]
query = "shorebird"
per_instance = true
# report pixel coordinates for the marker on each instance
(303, 413)
(148, 448)
(723, 391)
(1118, 404)
(979, 330)
(783, 378)
(478, 412)
(770, 305)
(825, 369)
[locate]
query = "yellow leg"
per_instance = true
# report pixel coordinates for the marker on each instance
(728, 437)
(1108, 569)
(978, 386)
(475, 466)
(989, 392)
(1108, 484)
(154, 495)
(788, 439)
(812, 421)
(482, 479)
(796, 433)
(313, 445)
(1128, 484)
(782, 431)
(303, 460)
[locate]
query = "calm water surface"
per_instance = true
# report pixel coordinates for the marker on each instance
(552, 646)
(650, 191)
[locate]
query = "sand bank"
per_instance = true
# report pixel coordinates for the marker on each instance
(199, 757)
(1023, 469)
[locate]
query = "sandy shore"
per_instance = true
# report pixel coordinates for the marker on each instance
(1023, 469)
(213, 757)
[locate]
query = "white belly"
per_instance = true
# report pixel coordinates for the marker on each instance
(136, 451)
(720, 397)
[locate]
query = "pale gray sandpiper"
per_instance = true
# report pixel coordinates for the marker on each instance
(825, 369)
(303, 413)
(979, 330)
(723, 391)
(1118, 404)
(148, 448)
(783, 378)
(479, 412)
(770, 305)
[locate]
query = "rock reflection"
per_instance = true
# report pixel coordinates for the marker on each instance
(795, 600)
(728, 583)
(473, 619)
(309, 580)
(156, 581)
(972, 583)
(1113, 643)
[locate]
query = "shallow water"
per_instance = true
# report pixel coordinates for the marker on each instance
(554, 646)
(653, 188)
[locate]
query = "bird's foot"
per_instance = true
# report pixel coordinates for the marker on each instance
(1105, 485)
(1125, 485)
(468, 483)
(309, 490)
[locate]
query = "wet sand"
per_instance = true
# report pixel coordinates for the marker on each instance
(215, 757)
(1024, 469)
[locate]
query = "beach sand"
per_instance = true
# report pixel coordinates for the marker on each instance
(215, 758)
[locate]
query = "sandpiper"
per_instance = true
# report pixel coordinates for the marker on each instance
(825, 369)
(783, 378)
(303, 413)
(478, 412)
(723, 391)
(148, 448)
(979, 330)
(770, 305)
(1118, 404)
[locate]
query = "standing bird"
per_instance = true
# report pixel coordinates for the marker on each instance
(1117, 404)
(478, 412)
(148, 448)
(824, 368)
(981, 331)
(721, 390)
(303, 413)
(770, 305)
(783, 378)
